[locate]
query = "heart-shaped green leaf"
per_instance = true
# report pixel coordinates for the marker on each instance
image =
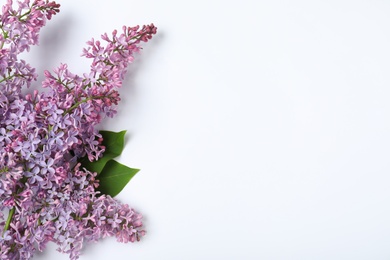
(114, 143)
(114, 177)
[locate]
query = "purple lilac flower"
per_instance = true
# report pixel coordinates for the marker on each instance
(48, 196)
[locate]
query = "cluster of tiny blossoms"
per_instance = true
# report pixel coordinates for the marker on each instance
(45, 195)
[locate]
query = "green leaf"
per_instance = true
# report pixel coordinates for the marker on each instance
(114, 178)
(114, 143)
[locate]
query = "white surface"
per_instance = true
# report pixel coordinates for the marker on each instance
(261, 127)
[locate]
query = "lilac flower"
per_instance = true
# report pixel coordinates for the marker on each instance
(48, 196)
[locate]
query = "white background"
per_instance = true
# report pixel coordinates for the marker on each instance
(261, 127)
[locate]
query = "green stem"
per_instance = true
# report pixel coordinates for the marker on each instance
(25, 14)
(9, 219)
(5, 36)
(79, 103)
(7, 78)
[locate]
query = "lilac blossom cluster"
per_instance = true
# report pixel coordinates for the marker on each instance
(45, 194)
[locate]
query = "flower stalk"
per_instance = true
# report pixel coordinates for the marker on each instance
(9, 219)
